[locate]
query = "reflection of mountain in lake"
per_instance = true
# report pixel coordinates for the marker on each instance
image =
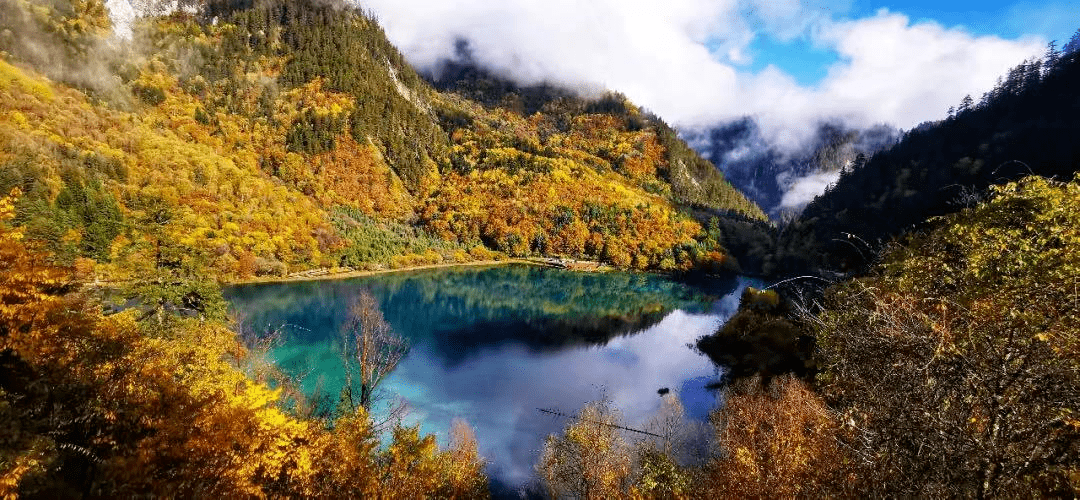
(541, 334)
(491, 345)
(463, 311)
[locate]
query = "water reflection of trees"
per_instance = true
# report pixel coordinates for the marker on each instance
(460, 312)
(541, 334)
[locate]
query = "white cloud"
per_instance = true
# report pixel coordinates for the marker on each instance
(122, 14)
(645, 49)
(800, 191)
(658, 53)
(906, 74)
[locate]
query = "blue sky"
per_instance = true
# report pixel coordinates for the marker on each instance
(808, 64)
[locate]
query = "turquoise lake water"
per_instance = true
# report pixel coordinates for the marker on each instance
(493, 344)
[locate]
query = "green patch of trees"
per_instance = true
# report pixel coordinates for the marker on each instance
(372, 242)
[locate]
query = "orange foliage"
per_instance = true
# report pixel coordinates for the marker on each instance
(524, 187)
(523, 214)
(357, 175)
(778, 442)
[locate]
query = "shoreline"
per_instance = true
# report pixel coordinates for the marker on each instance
(331, 275)
(374, 272)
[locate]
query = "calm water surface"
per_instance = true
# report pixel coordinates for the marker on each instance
(491, 345)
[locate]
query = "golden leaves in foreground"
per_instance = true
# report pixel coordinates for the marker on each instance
(92, 403)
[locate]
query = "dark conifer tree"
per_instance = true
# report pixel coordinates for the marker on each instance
(1073, 45)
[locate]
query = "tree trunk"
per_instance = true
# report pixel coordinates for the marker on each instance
(365, 396)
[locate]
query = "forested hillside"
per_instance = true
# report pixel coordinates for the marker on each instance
(693, 181)
(1026, 125)
(269, 137)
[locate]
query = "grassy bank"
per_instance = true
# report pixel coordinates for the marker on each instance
(346, 273)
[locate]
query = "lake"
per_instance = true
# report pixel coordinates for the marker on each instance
(493, 344)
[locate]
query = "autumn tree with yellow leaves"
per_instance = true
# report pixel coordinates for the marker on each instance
(591, 459)
(777, 440)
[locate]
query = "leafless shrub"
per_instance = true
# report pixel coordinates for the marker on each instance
(369, 340)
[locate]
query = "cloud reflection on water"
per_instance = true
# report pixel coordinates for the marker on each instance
(546, 339)
(513, 382)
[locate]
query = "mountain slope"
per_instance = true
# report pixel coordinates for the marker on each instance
(1024, 126)
(693, 181)
(266, 137)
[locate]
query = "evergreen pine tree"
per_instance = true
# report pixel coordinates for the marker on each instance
(1073, 45)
